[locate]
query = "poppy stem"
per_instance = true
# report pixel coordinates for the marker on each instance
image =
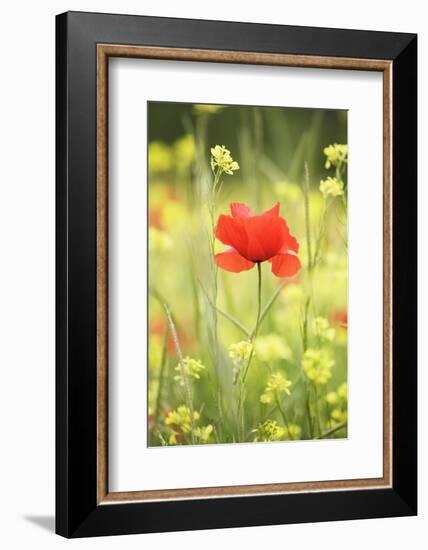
(269, 304)
(241, 400)
(259, 310)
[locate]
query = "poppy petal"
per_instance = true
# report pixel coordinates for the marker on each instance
(265, 237)
(240, 210)
(274, 211)
(288, 241)
(285, 265)
(231, 232)
(231, 260)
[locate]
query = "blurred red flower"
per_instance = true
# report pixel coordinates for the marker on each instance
(255, 239)
(158, 326)
(340, 316)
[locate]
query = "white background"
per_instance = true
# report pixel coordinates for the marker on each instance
(27, 274)
(133, 466)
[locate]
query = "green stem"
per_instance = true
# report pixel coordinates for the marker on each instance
(306, 186)
(161, 376)
(226, 315)
(269, 304)
(333, 430)
(213, 302)
(256, 328)
(283, 415)
(317, 409)
(187, 388)
(241, 399)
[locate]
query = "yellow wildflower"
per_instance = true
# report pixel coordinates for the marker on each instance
(222, 159)
(317, 365)
(203, 433)
(240, 354)
(190, 368)
(331, 187)
(336, 154)
(271, 348)
(293, 431)
(338, 415)
(342, 390)
(277, 384)
(332, 398)
(160, 157)
(184, 152)
(241, 351)
(181, 418)
(268, 431)
(323, 329)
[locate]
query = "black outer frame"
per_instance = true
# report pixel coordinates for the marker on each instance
(77, 513)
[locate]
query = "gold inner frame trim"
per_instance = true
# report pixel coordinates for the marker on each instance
(104, 51)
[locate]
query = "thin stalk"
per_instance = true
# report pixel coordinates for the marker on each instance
(306, 186)
(213, 301)
(161, 375)
(333, 430)
(283, 415)
(269, 304)
(241, 399)
(227, 315)
(187, 388)
(256, 328)
(317, 410)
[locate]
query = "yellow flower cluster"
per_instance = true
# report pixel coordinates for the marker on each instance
(268, 431)
(203, 433)
(277, 384)
(317, 365)
(339, 415)
(336, 154)
(323, 330)
(331, 187)
(184, 152)
(181, 418)
(163, 157)
(179, 421)
(222, 159)
(160, 157)
(240, 354)
(271, 348)
(190, 368)
(294, 431)
(338, 399)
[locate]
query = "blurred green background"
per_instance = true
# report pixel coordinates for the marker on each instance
(288, 136)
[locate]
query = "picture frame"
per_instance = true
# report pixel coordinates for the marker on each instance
(84, 44)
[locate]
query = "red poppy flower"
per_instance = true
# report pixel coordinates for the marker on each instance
(255, 239)
(340, 316)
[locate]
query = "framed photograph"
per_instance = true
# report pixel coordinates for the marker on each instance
(236, 274)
